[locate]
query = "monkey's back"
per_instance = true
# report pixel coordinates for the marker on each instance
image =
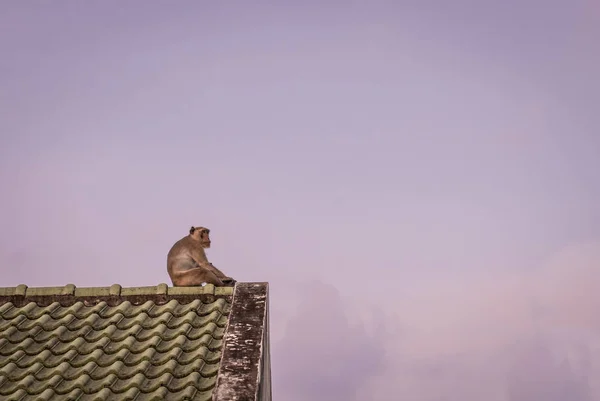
(180, 257)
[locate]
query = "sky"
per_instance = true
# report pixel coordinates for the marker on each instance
(416, 180)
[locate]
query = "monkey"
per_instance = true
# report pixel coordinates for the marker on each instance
(187, 264)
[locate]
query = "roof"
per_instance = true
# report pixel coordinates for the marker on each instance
(105, 343)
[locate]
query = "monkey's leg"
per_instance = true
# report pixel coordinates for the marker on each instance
(208, 276)
(195, 277)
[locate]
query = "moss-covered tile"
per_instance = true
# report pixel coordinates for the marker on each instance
(111, 343)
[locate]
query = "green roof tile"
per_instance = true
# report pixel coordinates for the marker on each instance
(111, 343)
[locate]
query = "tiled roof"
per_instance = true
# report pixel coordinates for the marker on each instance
(111, 343)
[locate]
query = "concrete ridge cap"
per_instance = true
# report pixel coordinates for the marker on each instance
(115, 290)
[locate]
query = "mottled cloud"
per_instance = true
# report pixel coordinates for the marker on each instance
(323, 356)
(538, 373)
(527, 336)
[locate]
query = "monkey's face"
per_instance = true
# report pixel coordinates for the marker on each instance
(205, 238)
(201, 234)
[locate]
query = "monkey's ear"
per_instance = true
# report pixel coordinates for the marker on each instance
(192, 230)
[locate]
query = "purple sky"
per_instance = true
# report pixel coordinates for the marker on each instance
(417, 180)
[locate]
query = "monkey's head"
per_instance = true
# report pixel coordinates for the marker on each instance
(201, 234)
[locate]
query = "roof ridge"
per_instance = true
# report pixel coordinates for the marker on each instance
(115, 290)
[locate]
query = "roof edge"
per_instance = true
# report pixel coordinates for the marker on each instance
(246, 357)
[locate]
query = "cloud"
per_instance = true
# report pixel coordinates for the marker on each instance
(500, 337)
(536, 375)
(322, 355)
(569, 287)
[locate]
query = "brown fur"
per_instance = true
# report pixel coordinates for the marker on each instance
(187, 264)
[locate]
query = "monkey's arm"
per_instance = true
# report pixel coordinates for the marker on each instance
(199, 256)
(217, 272)
(201, 260)
(226, 279)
